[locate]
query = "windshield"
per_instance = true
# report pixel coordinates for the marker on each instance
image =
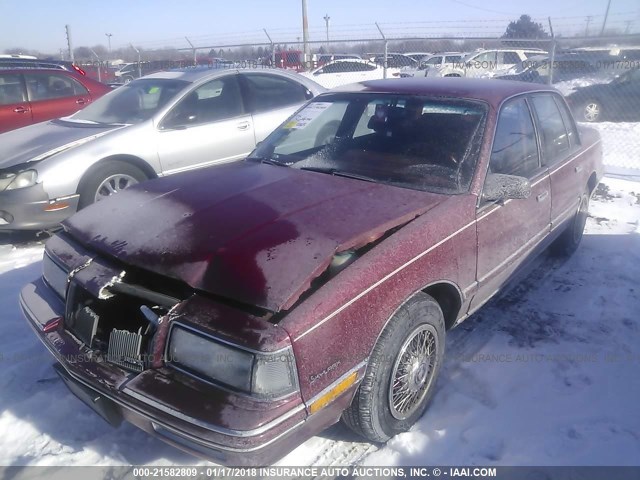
(132, 103)
(402, 140)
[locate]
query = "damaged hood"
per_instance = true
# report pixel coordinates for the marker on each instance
(256, 234)
(42, 140)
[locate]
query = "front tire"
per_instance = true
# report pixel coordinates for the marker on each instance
(401, 373)
(108, 179)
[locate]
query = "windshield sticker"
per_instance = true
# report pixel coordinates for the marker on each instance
(306, 116)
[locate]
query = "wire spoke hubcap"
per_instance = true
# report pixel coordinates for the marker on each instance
(114, 184)
(413, 372)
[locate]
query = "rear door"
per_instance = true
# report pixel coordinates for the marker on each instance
(54, 94)
(15, 111)
(271, 99)
(208, 125)
(509, 231)
(560, 147)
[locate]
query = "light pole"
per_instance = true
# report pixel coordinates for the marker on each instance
(326, 22)
(109, 35)
(305, 33)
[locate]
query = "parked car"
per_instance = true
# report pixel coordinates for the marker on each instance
(235, 311)
(619, 99)
(131, 71)
(488, 63)
(330, 57)
(30, 96)
(395, 60)
(12, 62)
(537, 69)
(431, 65)
(418, 56)
(342, 72)
(155, 126)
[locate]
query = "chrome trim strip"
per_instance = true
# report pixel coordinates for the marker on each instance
(333, 384)
(382, 280)
(577, 155)
(216, 446)
(530, 244)
(209, 426)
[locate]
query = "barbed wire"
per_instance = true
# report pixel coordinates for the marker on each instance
(563, 25)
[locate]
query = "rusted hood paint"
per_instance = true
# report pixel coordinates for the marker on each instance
(256, 234)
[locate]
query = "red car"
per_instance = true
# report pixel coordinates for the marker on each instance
(236, 311)
(34, 95)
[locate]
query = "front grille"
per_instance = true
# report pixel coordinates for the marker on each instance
(124, 350)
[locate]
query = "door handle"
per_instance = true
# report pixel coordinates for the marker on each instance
(81, 101)
(243, 125)
(578, 169)
(542, 196)
(20, 110)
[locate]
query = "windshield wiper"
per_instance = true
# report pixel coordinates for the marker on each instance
(339, 173)
(269, 161)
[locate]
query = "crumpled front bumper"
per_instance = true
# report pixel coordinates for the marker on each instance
(239, 431)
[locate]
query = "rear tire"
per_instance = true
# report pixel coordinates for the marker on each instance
(401, 373)
(108, 179)
(569, 240)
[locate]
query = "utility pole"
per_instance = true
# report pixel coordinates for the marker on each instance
(109, 35)
(305, 34)
(606, 15)
(68, 32)
(326, 22)
(586, 30)
(628, 24)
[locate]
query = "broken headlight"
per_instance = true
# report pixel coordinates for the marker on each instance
(54, 275)
(14, 181)
(262, 374)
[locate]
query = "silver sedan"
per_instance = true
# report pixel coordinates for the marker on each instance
(154, 126)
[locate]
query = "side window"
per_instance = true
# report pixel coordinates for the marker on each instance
(51, 85)
(11, 90)
(216, 100)
(574, 139)
(515, 150)
(452, 59)
(269, 92)
(510, 58)
(484, 60)
(555, 140)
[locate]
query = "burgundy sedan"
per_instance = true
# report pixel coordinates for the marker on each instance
(31, 95)
(236, 311)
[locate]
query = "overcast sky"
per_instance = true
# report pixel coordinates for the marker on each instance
(39, 24)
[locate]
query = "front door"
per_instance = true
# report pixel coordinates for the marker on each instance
(508, 231)
(209, 125)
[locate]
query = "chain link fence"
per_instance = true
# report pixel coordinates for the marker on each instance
(599, 76)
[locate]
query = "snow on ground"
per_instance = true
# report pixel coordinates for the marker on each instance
(547, 374)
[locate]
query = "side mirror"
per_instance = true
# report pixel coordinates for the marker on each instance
(498, 186)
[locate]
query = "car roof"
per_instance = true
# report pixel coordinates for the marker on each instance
(488, 90)
(37, 69)
(195, 74)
